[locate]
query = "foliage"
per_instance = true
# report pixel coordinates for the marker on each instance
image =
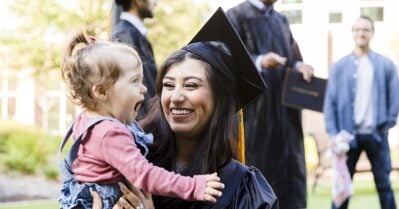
(43, 27)
(174, 24)
(25, 149)
(51, 172)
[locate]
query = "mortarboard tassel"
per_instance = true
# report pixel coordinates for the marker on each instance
(241, 138)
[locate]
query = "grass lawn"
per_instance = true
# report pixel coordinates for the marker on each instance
(47, 204)
(365, 197)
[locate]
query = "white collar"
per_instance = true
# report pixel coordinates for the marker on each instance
(135, 21)
(258, 4)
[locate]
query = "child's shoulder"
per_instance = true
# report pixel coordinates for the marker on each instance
(102, 127)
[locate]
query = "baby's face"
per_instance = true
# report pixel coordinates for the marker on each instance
(127, 94)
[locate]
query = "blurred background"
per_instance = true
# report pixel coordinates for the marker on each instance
(35, 112)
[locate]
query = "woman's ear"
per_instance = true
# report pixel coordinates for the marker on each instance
(99, 92)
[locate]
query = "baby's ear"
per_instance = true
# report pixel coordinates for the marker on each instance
(99, 92)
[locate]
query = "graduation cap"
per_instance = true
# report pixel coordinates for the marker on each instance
(230, 58)
(218, 28)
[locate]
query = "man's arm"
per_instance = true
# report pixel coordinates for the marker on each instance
(330, 104)
(393, 94)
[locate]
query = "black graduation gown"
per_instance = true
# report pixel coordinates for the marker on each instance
(126, 33)
(273, 133)
(245, 188)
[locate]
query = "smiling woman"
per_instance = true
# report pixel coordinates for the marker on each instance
(187, 97)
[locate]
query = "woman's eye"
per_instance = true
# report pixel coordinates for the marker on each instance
(167, 85)
(191, 85)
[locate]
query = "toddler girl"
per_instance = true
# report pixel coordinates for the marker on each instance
(105, 79)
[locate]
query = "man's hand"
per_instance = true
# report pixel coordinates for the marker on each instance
(340, 148)
(272, 60)
(307, 71)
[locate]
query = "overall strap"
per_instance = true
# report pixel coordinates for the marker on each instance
(65, 165)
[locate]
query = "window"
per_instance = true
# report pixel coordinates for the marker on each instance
(335, 17)
(294, 16)
(375, 13)
(7, 97)
(11, 107)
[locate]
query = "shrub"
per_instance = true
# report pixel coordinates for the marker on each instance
(24, 148)
(51, 172)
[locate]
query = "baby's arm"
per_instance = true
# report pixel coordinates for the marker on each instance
(121, 152)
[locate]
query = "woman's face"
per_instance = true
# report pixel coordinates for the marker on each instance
(186, 98)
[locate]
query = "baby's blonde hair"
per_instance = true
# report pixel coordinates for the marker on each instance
(89, 62)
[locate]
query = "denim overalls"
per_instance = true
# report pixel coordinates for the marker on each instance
(77, 195)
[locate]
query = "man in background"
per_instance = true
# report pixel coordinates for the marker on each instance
(274, 139)
(362, 98)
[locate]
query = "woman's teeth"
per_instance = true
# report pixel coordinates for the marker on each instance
(181, 112)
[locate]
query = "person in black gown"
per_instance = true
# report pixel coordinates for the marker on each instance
(129, 28)
(274, 138)
(193, 119)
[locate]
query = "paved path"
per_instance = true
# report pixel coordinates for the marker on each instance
(21, 188)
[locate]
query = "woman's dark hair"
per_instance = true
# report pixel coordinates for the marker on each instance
(216, 145)
(125, 4)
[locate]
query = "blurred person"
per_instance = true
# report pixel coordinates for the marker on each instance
(274, 138)
(130, 29)
(105, 79)
(362, 99)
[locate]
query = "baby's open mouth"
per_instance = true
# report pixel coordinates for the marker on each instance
(138, 105)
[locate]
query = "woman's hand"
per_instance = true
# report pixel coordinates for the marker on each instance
(133, 198)
(97, 202)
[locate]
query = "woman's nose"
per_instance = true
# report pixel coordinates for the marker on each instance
(177, 96)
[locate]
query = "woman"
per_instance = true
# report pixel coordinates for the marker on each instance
(193, 122)
(199, 90)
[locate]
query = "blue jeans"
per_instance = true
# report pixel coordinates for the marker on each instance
(380, 160)
(75, 195)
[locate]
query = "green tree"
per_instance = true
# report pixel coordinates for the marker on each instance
(42, 27)
(174, 24)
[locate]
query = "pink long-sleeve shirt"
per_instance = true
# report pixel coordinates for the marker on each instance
(108, 153)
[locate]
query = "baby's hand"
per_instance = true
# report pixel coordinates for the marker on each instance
(213, 187)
